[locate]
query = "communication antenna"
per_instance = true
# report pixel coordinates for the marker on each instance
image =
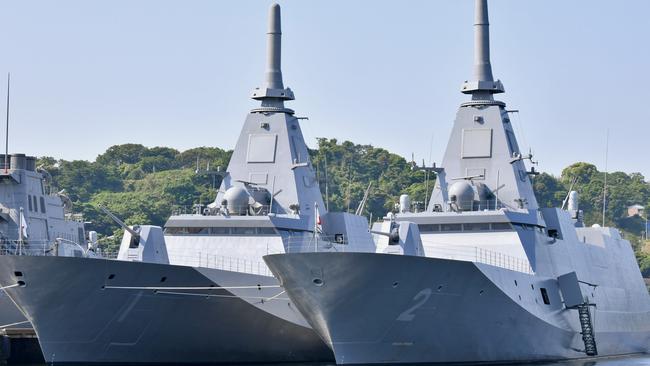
(7, 126)
(605, 183)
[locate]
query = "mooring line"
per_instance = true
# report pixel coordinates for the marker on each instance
(259, 287)
(10, 286)
(12, 324)
(274, 297)
(226, 296)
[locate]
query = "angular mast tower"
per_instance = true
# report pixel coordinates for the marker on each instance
(271, 153)
(483, 165)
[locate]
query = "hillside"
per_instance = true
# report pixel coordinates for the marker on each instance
(144, 185)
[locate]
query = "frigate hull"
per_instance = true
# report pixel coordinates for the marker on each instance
(380, 308)
(81, 314)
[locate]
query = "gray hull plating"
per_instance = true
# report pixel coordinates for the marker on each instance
(89, 320)
(378, 308)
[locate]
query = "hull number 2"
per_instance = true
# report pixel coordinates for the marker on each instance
(419, 299)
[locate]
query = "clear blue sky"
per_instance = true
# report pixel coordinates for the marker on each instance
(90, 74)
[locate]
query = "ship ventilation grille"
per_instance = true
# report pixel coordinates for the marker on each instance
(587, 330)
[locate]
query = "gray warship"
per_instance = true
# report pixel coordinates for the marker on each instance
(491, 277)
(199, 291)
(34, 219)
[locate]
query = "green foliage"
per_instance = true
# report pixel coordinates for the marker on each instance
(351, 168)
(549, 191)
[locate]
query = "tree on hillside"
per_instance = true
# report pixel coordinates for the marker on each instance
(125, 153)
(549, 191)
(214, 155)
(351, 167)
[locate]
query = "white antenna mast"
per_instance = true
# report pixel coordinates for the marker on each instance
(7, 126)
(606, 171)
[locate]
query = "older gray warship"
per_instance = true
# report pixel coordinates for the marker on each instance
(494, 277)
(33, 220)
(199, 292)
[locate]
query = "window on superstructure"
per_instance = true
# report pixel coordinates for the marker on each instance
(175, 230)
(266, 231)
(451, 227)
(428, 228)
(243, 230)
(29, 200)
(476, 226)
(501, 226)
(35, 204)
(42, 205)
(220, 231)
(198, 230)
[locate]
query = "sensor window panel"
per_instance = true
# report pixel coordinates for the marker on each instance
(261, 148)
(477, 143)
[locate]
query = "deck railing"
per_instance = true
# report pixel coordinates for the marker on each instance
(477, 254)
(226, 263)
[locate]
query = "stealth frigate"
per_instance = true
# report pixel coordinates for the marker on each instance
(491, 278)
(199, 292)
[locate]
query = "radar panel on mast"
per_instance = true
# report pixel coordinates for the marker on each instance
(477, 143)
(261, 148)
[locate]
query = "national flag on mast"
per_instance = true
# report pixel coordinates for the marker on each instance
(23, 225)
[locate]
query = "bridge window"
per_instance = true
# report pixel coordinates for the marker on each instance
(451, 227)
(243, 230)
(42, 205)
(197, 230)
(501, 226)
(220, 231)
(467, 227)
(428, 228)
(476, 227)
(29, 200)
(266, 231)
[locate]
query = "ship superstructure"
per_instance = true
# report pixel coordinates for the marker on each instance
(495, 278)
(199, 292)
(33, 220)
(32, 216)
